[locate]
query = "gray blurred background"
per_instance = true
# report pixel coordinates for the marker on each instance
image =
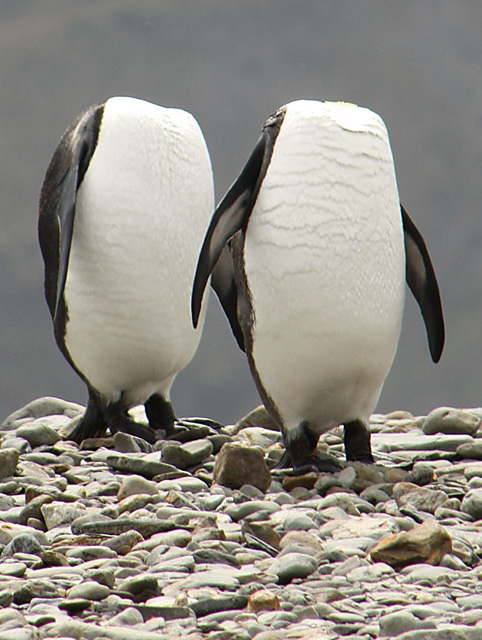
(418, 63)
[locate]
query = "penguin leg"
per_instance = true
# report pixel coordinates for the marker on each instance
(357, 442)
(300, 444)
(160, 414)
(93, 423)
(118, 420)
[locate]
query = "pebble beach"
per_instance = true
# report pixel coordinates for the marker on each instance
(195, 537)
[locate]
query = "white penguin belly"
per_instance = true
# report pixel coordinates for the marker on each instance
(141, 213)
(325, 263)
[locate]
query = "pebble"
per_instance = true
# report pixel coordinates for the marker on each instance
(119, 540)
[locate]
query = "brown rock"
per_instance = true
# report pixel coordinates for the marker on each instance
(427, 542)
(307, 480)
(263, 600)
(237, 465)
(263, 531)
(258, 417)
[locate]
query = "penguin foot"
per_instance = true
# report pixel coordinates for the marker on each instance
(317, 463)
(129, 426)
(300, 443)
(357, 442)
(93, 423)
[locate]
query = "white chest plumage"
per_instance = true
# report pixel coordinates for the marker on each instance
(141, 213)
(325, 264)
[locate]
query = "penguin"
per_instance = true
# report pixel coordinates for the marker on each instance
(309, 251)
(124, 207)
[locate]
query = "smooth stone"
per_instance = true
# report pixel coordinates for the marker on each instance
(399, 622)
(41, 407)
(237, 465)
(185, 456)
(37, 588)
(140, 466)
(124, 542)
(89, 590)
(8, 462)
(141, 585)
(473, 471)
(129, 617)
(13, 442)
(16, 569)
(258, 417)
(134, 484)
(258, 437)
(214, 556)
(135, 502)
(146, 527)
(23, 543)
(6, 502)
(374, 496)
(219, 579)
(293, 565)
(427, 574)
(469, 602)
(91, 552)
(469, 451)
(451, 421)
(387, 442)
(472, 504)
(39, 432)
(240, 511)
(298, 522)
(125, 443)
(340, 500)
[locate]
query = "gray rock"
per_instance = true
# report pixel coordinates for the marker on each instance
(41, 407)
(134, 484)
(407, 494)
(298, 522)
(258, 417)
(56, 514)
(451, 421)
(143, 586)
(472, 504)
(130, 464)
(13, 442)
(125, 443)
(129, 617)
(293, 565)
(470, 450)
(89, 590)
(185, 456)
(473, 470)
(8, 462)
(39, 432)
(124, 542)
(399, 622)
(23, 543)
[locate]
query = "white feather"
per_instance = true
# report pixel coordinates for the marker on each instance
(141, 214)
(325, 263)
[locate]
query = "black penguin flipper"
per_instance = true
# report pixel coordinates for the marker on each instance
(421, 279)
(58, 198)
(232, 213)
(224, 284)
(230, 216)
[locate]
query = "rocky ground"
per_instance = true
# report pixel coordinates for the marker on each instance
(115, 541)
